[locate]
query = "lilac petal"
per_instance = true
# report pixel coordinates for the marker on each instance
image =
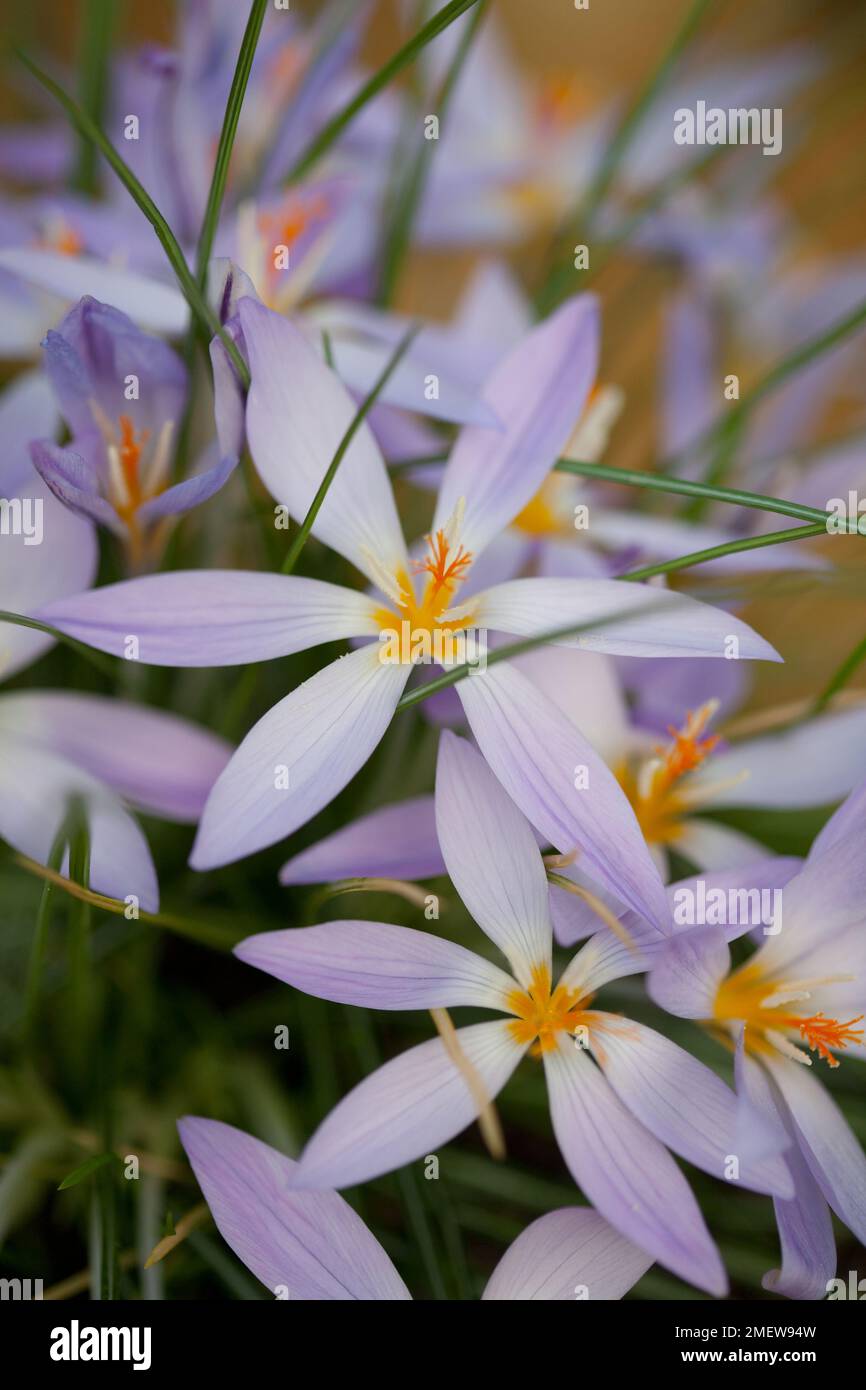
(538, 392)
(586, 687)
(409, 1107)
(311, 1244)
(163, 764)
(35, 790)
(629, 619)
(153, 304)
(832, 747)
(378, 966)
(36, 154)
(849, 816)
(182, 497)
(492, 858)
(213, 617)
(75, 482)
(805, 1226)
(299, 756)
(360, 363)
(690, 389)
(761, 1129)
(297, 414)
(664, 689)
(686, 977)
(33, 575)
(397, 841)
(681, 1102)
(536, 753)
(712, 846)
(27, 411)
(828, 1144)
(626, 1173)
(567, 1254)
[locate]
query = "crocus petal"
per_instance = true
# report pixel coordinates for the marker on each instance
(297, 414)
(849, 816)
(299, 756)
(34, 574)
(492, 858)
(310, 1243)
(153, 304)
(685, 978)
(626, 1173)
(628, 619)
(537, 754)
(681, 1102)
(36, 786)
(163, 764)
(378, 966)
(829, 1145)
(538, 392)
(74, 482)
(397, 841)
(182, 497)
(28, 410)
(409, 1107)
(567, 1254)
(833, 747)
(710, 845)
(213, 617)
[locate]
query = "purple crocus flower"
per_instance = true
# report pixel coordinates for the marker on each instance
(122, 394)
(612, 1120)
(302, 753)
(313, 1246)
(797, 1001)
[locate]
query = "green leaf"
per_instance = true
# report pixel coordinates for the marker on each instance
(84, 1170)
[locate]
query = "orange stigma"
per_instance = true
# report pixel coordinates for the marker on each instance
(688, 749)
(444, 573)
(542, 1014)
(823, 1033)
(654, 788)
(129, 451)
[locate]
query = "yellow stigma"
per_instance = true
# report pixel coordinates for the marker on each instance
(748, 996)
(542, 1014)
(656, 789)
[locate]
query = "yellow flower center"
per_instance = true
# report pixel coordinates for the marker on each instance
(655, 789)
(542, 1014)
(748, 996)
(427, 621)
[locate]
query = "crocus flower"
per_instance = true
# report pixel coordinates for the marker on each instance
(314, 1246)
(305, 750)
(796, 1003)
(611, 1120)
(122, 394)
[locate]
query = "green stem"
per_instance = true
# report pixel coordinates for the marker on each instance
(88, 129)
(234, 105)
(398, 234)
(99, 19)
(718, 552)
(40, 935)
(407, 54)
(840, 678)
(308, 522)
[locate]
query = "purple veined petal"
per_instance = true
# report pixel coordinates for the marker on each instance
(28, 411)
(761, 1129)
(161, 763)
(804, 1222)
(182, 497)
(359, 363)
(409, 1107)
(587, 689)
(679, 1100)
(299, 756)
(33, 574)
(213, 617)
(712, 846)
(75, 482)
(297, 414)
(664, 689)
(35, 788)
(538, 392)
(541, 759)
(828, 1144)
(565, 1255)
(849, 816)
(632, 619)
(310, 1244)
(378, 966)
(492, 858)
(605, 957)
(832, 748)
(685, 978)
(397, 841)
(154, 305)
(627, 1175)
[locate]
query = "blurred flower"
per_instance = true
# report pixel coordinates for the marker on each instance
(313, 1246)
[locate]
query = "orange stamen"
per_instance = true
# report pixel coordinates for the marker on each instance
(688, 750)
(444, 573)
(129, 452)
(823, 1033)
(542, 1014)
